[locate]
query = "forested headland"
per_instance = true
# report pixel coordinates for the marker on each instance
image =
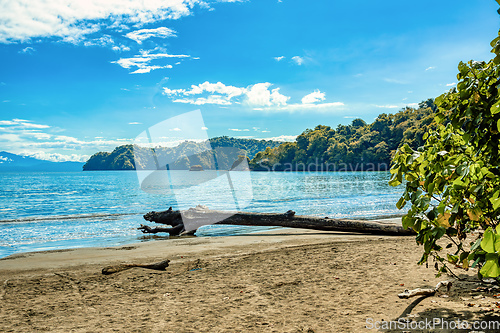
(183, 156)
(353, 147)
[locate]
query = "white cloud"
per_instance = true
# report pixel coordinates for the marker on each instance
(259, 96)
(120, 48)
(22, 124)
(7, 122)
(320, 107)
(451, 84)
(56, 157)
(396, 106)
(430, 68)
(396, 81)
(23, 20)
(238, 130)
(279, 58)
(20, 136)
(283, 138)
(140, 35)
(146, 69)
(218, 93)
(105, 40)
(388, 106)
(298, 60)
(142, 61)
(313, 97)
(30, 125)
(218, 87)
(27, 50)
(135, 123)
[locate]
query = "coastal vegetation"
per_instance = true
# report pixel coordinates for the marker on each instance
(227, 150)
(453, 179)
(354, 147)
(357, 146)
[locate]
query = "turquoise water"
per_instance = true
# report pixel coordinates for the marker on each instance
(49, 211)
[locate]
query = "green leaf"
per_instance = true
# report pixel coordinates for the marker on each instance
(394, 170)
(463, 256)
(475, 262)
(498, 125)
(488, 242)
(459, 185)
(401, 203)
(438, 232)
(430, 189)
(476, 245)
(406, 148)
(495, 203)
(490, 268)
(495, 108)
(407, 222)
(463, 169)
(452, 259)
(394, 181)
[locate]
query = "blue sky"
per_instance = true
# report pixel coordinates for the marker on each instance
(77, 77)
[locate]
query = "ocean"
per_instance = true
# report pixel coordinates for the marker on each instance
(60, 210)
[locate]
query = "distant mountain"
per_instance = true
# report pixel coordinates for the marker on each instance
(226, 151)
(17, 163)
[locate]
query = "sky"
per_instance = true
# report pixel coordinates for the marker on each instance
(78, 77)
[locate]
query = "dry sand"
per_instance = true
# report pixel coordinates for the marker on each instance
(279, 281)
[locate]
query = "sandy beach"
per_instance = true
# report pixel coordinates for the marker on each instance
(279, 281)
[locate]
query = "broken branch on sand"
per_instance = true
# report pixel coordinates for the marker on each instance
(425, 292)
(159, 266)
(201, 215)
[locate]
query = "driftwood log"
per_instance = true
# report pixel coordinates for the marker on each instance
(159, 266)
(202, 216)
(425, 292)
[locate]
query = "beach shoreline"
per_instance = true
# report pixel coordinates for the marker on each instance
(286, 280)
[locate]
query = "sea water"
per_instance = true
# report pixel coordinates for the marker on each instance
(51, 211)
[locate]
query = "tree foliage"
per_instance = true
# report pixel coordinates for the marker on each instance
(453, 180)
(357, 146)
(185, 155)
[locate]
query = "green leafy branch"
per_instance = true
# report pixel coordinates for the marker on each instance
(453, 181)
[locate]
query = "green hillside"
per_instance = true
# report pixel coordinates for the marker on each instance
(354, 147)
(226, 150)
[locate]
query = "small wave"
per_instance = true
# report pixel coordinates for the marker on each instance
(66, 217)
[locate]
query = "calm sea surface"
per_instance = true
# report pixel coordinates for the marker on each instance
(49, 211)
